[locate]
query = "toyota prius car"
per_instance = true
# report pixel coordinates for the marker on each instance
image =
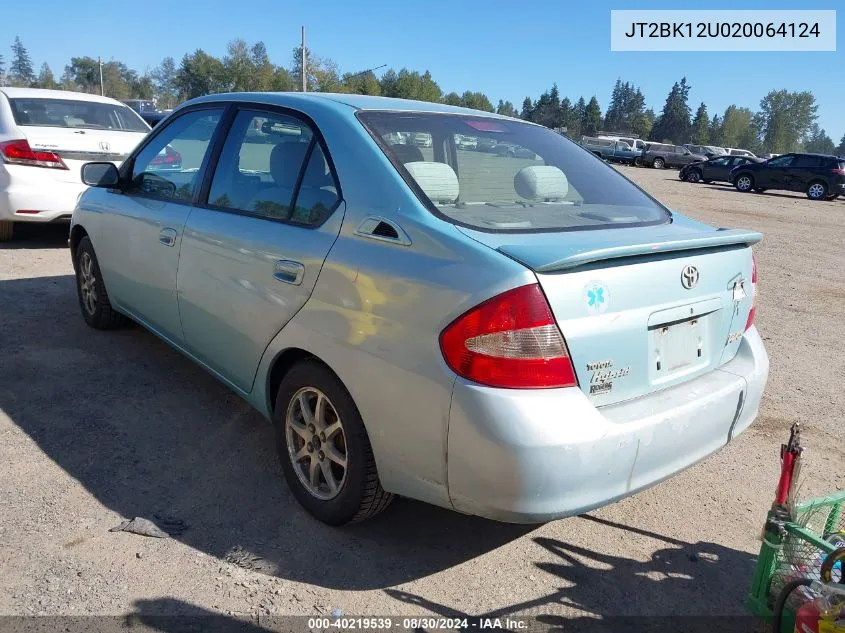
(521, 336)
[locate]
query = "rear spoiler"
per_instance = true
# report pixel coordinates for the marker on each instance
(546, 259)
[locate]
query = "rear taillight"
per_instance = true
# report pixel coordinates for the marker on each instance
(841, 172)
(753, 312)
(20, 153)
(170, 158)
(510, 341)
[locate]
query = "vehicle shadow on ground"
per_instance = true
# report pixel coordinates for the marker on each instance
(28, 235)
(148, 433)
(680, 580)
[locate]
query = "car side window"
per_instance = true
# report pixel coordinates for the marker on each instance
(260, 166)
(781, 161)
(168, 167)
(807, 162)
(720, 161)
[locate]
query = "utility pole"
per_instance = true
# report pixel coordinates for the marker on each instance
(304, 76)
(102, 89)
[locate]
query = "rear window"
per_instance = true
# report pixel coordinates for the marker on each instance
(502, 175)
(73, 113)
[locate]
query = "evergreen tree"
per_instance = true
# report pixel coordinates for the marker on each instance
(818, 141)
(46, 78)
(714, 133)
(506, 108)
(527, 109)
(2, 71)
(591, 123)
(20, 68)
(674, 123)
(840, 151)
(701, 126)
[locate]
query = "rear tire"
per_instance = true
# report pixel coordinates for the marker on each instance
(91, 291)
(817, 190)
(832, 196)
(759, 190)
(658, 163)
(311, 454)
(744, 183)
(638, 162)
(7, 229)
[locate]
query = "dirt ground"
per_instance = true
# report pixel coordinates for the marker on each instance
(97, 427)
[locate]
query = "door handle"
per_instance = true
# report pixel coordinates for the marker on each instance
(288, 271)
(167, 237)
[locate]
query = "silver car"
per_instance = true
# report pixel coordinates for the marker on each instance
(521, 337)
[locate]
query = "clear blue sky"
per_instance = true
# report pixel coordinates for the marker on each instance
(508, 50)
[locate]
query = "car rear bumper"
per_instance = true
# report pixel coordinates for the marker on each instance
(42, 199)
(528, 456)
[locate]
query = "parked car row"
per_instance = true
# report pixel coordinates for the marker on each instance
(819, 176)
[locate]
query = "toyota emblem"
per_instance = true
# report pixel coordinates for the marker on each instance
(689, 277)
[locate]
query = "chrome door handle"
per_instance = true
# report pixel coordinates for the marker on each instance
(288, 271)
(167, 237)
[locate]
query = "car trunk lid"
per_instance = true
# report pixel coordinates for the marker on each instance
(641, 308)
(79, 146)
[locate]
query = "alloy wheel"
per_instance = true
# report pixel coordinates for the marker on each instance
(743, 183)
(816, 191)
(88, 283)
(316, 443)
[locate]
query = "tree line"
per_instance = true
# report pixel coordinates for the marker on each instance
(785, 121)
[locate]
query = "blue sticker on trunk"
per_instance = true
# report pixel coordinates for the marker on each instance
(597, 297)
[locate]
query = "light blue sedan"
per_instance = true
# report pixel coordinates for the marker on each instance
(522, 336)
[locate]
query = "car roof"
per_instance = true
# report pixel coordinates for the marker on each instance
(358, 102)
(41, 93)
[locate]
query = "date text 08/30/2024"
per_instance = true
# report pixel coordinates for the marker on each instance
(415, 623)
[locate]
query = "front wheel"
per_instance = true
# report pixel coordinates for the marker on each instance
(744, 183)
(658, 163)
(324, 448)
(694, 175)
(91, 291)
(817, 190)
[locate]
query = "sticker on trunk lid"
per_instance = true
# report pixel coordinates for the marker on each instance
(597, 297)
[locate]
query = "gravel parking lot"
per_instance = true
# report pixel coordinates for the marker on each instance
(99, 427)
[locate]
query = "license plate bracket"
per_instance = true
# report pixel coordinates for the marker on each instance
(679, 346)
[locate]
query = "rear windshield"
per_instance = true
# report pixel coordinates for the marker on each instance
(73, 113)
(500, 175)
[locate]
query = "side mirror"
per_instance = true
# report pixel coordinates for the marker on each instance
(100, 175)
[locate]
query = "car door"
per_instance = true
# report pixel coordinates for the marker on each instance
(716, 169)
(775, 174)
(143, 224)
(802, 171)
(252, 251)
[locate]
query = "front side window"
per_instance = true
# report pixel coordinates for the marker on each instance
(260, 166)
(720, 161)
(502, 175)
(169, 165)
(73, 113)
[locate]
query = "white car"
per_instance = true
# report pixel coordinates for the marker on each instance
(45, 138)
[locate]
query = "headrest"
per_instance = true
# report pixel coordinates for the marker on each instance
(541, 182)
(437, 180)
(285, 162)
(407, 153)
